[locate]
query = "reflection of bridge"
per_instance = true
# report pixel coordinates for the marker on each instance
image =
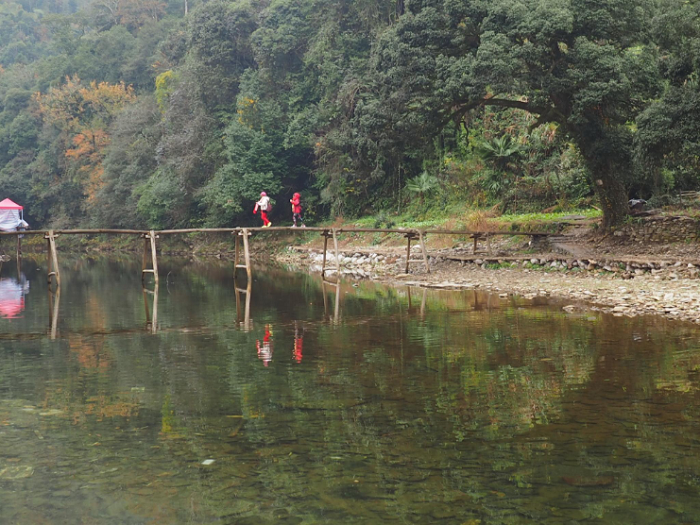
(150, 237)
(242, 252)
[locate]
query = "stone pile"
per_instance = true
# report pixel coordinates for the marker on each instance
(626, 269)
(661, 230)
(358, 264)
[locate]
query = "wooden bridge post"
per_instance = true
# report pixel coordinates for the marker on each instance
(154, 257)
(144, 259)
(53, 258)
(325, 250)
(425, 253)
(246, 254)
(236, 252)
(337, 255)
(149, 238)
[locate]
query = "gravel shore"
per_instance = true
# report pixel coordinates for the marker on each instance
(669, 290)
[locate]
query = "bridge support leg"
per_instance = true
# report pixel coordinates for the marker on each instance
(53, 258)
(236, 253)
(325, 251)
(246, 254)
(337, 255)
(425, 252)
(149, 250)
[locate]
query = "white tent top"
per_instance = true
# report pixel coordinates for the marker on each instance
(11, 216)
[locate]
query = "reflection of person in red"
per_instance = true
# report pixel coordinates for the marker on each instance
(265, 349)
(298, 343)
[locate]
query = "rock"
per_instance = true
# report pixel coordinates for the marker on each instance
(16, 473)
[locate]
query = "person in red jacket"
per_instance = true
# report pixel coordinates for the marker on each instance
(296, 210)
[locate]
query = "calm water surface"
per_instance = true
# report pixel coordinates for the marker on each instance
(384, 406)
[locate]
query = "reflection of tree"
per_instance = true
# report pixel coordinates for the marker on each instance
(477, 410)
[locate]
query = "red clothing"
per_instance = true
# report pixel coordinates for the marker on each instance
(298, 342)
(263, 216)
(296, 203)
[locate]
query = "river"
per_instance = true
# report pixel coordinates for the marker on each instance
(321, 404)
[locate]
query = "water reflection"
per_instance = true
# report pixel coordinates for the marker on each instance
(54, 302)
(298, 350)
(151, 320)
(265, 348)
(334, 288)
(12, 292)
(407, 406)
(243, 313)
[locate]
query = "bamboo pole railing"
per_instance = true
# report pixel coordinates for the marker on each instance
(150, 236)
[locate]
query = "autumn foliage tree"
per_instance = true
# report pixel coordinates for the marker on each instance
(83, 114)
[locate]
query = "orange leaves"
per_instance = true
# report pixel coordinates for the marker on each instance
(84, 113)
(74, 104)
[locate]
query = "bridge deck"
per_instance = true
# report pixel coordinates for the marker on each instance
(279, 228)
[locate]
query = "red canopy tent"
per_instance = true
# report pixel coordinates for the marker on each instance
(11, 216)
(7, 204)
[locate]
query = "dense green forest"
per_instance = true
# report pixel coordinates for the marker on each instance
(134, 113)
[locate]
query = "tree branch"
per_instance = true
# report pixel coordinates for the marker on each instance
(544, 113)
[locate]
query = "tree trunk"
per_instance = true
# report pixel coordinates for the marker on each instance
(612, 196)
(606, 151)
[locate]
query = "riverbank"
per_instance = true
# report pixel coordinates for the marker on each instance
(666, 288)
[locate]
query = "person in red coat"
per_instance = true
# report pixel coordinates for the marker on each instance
(296, 210)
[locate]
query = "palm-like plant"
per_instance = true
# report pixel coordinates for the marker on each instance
(502, 153)
(422, 184)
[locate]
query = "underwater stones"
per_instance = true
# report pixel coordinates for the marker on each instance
(15, 473)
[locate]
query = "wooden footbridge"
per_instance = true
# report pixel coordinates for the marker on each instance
(242, 253)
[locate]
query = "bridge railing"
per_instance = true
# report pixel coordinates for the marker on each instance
(150, 236)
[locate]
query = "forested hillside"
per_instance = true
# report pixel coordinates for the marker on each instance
(135, 113)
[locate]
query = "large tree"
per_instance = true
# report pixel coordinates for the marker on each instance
(582, 64)
(668, 138)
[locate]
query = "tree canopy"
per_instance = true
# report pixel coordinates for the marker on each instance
(188, 109)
